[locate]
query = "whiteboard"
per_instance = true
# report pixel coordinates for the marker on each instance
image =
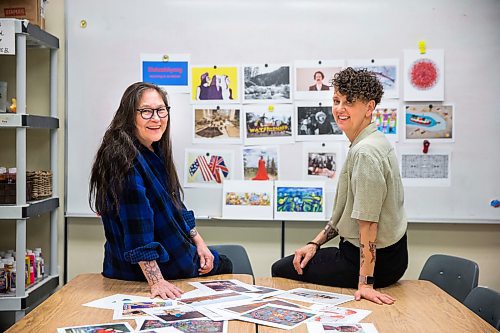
(104, 58)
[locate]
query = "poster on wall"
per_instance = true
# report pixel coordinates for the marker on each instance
(269, 124)
(386, 70)
(221, 124)
(386, 119)
(215, 84)
(169, 71)
(260, 162)
(322, 161)
(207, 167)
(246, 199)
(429, 121)
(299, 200)
(315, 122)
(267, 82)
(423, 75)
(431, 169)
(313, 79)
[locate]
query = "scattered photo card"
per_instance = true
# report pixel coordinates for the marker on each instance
(278, 316)
(247, 199)
(264, 292)
(260, 162)
(110, 302)
(132, 310)
(315, 122)
(431, 121)
(172, 314)
(207, 167)
(268, 124)
(267, 82)
(316, 296)
(431, 169)
(295, 200)
(160, 330)
(222, 285)
(423, 75)
(322, 161)
(386, 119)
(247, 306)
(220, 124)
(316, 327)
(334, 314)
(169, 71)
(208, 299)
(98, 328)
(313, 79)
(213, 84)
(201, 326)
(149, 324)
(386, 70)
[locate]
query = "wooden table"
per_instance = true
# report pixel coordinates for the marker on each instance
(64, 308)
(420, 307)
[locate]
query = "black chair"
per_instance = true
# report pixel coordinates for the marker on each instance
(457, 276)
(486, 304)
(239, 257)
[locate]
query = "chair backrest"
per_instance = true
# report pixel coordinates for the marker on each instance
(238, 256)
(486, 304)
(457, 276)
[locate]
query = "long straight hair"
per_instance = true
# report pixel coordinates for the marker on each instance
(118, 150)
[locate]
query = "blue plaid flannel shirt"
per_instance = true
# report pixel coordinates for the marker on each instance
(149, 227)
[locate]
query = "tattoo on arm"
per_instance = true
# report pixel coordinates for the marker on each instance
(373, 248)
(152, 272)
(330, 232)
(193, 232)
(361, 254)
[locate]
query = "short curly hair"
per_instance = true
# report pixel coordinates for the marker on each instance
(358, 84)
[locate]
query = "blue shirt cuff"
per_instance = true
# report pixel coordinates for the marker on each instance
(188, 217)
(149, 252)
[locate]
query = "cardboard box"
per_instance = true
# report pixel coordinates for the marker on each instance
(32, 10)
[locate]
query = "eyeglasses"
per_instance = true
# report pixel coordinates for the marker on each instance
(147, 113)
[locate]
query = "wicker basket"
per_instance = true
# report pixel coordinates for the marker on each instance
(41, 184)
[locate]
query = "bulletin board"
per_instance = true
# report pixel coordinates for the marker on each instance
(104, 41)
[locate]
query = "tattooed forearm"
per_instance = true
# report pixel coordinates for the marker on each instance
(330, 232)
(361, 252)
(151, 271)
(373, 248)
(193, 232)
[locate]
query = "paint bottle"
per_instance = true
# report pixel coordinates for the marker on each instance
(32, 266)
(40, 264)
(12, 282)
(9, 266)
(4, 286)
(27, 270)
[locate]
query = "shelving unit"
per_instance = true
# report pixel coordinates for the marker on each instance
(31, 36)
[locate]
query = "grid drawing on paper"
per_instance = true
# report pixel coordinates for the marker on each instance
(424, 166)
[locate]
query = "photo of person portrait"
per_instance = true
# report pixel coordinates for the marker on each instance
(315, 121)
(267, 82)
(318, 82)
(260, 163)
(214, 83)
(312, 79)
(217, 124)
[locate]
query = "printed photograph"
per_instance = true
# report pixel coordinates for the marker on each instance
(222, 285)
(334, 314)
(176, 314)
(132, 310)
(316, 296)
(431, 169)
(313, 78)
(265, 125)
(322, 164)
(318, 327)
(299, 199)
(112, 328)
(207, 168)
(423, 75)
(386, 71)
(247, 198)
(201, 326)
(214, 298)
(267, 82)
(214, 84)
(385, 118)
(217, 125)
(147, 324)
(316, 123)
(433, 122)
(250, 306)
(277, 316)
(260, 163)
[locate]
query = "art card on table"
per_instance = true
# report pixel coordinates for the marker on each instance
(215, 84)
(313, 79)
(246, 199)
(132, 310)
(431, 169)
(335, 314)
(315, 327)
(278, 316)
(110, 302)
(207, 167)
(261, 162)
(386, 70)
(177, 313)
(201, 326)
(222, 285)
(321, 161)
(264, 292)
(98, 328)
(315, 122)
(385, 117)
(217, 124)
(214, 298)
(160, 330)
(149, 324)
(423, 75)
(299, 200)
(430, 121)
(269, 124)
(169, 71)
(267, 82)
(316, 296)
(242, 307)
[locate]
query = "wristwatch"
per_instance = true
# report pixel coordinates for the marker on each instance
(368, 280)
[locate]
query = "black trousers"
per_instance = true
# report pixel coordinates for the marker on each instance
(225, 266)
(339, 267)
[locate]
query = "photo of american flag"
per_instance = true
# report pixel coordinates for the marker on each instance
(207, 167)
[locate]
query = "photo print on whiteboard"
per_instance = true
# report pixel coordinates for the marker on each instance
(207, 167)
(260, 162)
(386, 70)
(430, 121)
(268, 124)
(431, 169)
(221, 124)
(315, 122)
(213, 84)
(299, 200)
(322, 161)
(246, 199)
(266, 82)
(169, 71)
(385, 117)
(313, 78)
(423, 75)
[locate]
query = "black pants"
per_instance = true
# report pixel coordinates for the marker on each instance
(225, 266)
(339, 267)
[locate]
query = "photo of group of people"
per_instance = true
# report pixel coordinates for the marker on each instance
(322, 164)
(315, 121)
(264, 123)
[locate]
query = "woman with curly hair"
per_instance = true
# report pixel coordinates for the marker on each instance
(150, 235)
(368, 212)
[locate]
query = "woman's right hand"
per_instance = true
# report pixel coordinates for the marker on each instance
(165, 289)
(302, 257)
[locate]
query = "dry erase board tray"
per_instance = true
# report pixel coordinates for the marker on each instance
(35, 37)
(32, 208)
(34, 295)
(25, 120)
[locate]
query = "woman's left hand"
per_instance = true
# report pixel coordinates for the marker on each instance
(367, 292)
(206, 259)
